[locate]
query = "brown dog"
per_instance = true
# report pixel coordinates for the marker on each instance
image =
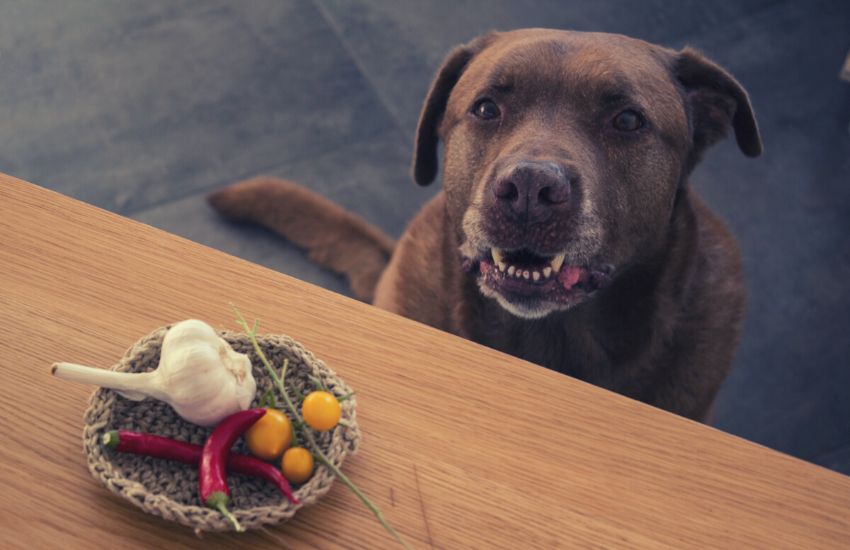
(566, 232)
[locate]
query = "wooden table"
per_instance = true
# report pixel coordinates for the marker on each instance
(463, 447)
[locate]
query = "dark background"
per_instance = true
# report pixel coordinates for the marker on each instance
(144, 107)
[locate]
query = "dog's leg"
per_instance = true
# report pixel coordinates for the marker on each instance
(335, 239)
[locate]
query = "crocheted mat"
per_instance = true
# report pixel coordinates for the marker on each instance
(170, 489)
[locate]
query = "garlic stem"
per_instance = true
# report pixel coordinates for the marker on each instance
(131, 385)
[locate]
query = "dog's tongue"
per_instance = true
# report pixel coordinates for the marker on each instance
(568, 276)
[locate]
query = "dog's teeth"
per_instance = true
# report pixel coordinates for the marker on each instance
(526, 274)
(557, 262)
(536, 275)
(547, 271)
(497, 255)
(501, 266)
(511, 270)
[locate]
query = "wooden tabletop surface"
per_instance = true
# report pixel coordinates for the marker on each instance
(463, 447)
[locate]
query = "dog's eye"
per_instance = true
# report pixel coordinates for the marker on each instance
(628, 121)
(486, 109)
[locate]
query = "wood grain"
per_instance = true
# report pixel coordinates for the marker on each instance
(463, 447)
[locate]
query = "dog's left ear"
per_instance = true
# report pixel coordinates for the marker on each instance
(427, 131)
(716, 101)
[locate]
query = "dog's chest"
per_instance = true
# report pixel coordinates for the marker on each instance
(558, 346)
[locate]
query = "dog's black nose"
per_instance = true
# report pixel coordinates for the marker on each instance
(533, 190)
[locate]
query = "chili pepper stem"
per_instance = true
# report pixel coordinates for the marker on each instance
(111, 439)
(218, 501)
(309, 437)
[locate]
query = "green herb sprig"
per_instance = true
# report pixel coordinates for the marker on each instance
(311, 441)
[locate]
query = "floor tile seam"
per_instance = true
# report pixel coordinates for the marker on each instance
(361, 67)
(204, 189)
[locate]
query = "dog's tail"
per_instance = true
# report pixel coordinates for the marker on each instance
(335, 239)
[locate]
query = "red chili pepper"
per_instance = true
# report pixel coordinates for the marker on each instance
(242, 464)
(212, 473)
(157, 446)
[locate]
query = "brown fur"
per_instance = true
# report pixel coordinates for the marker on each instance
(665, 329)
(335, 238)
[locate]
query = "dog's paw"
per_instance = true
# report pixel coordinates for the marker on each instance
(241, 201)
(226, 202)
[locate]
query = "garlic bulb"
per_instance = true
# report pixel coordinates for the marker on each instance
(199, 375)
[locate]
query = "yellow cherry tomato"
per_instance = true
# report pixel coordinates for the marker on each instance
(321, 411)
(297, 464)
(270, 435)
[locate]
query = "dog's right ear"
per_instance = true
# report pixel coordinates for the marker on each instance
(427, 131)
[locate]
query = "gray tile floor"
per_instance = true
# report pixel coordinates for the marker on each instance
(143, 107)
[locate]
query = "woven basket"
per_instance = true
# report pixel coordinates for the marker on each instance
(170, 489)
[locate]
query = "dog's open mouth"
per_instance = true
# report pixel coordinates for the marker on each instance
(523, 274)
(525, 265)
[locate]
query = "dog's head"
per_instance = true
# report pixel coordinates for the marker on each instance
(564, 153)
